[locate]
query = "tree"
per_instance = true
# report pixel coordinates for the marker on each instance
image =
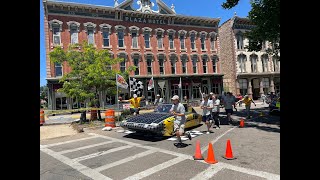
(90, 73)
(43, 94)
(265, 14)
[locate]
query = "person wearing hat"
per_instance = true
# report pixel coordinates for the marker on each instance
(247, 101)
(158, 100)
(211, 95)
(178, 111)
(134, 104)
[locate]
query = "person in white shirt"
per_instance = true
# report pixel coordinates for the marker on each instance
(206, 106)
(215, 111)
(229, 103)
(158, 100)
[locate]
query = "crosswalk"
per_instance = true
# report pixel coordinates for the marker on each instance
(101, 160)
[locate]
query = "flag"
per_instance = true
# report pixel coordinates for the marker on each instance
(150, 84)
(136, 86)
(180, 83)
(121, 82)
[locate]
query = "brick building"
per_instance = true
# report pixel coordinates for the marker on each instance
(163, 44)
(252, 73)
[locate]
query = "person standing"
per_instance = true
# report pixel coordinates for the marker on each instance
(263, 98)
(134, 104)
(206, 106)
(215, 111)
(178, 111)
(247, 101)
(158, 100)
(229, 102)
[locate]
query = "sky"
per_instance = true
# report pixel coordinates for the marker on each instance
(207, 8)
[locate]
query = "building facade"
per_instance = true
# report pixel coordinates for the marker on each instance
(252, 73)
(162, 44)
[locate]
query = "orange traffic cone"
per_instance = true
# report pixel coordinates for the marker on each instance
(210, 158)
(229, 154)
(42, 121)
(241, 123)
(197, 154)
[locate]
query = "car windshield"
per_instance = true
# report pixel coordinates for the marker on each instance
(164, 108)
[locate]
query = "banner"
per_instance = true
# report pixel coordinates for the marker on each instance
(121, 82)
(161, 84)
(150, 84)
(180, 84)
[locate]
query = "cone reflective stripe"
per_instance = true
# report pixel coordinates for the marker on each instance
(197, 154)
(210, 158)
(241, 123)
(229, 154)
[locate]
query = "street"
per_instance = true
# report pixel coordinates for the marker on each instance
(97, 154)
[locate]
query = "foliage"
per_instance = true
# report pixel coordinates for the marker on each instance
(90, 71)
(265, 15)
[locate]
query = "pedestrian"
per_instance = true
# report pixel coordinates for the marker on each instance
(247, 101)
(206, 106)
(263, 98)
(229, 102)
(239, 99)
(235, 100)
(216, 110)
(211, 94)
(134, 104)
(158, 100)
(178, 111)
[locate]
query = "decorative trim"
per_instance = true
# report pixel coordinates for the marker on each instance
(105, 26)
(150, 55)
(162, 54)
(88, 24)
(205, 55)
(146, 29)
(55, 21)
(73, 22)
(193, 55)
(134, 28)
(205, 34)
(171, 31)
(133, 54)
(214, 35)
(119, 27)
(159, 30)
(183, 32)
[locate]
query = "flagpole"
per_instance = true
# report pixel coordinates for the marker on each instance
(181, 90)
(118, 98)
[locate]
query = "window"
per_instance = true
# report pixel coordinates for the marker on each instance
(120, 32)
(56, 28)
(173, 64)
(214, 64)
(109, 67)
(123, 63)
(215, 88)
(182, 42)
(202, 39)
(120, 39)
(185, 90)
(147, 40)
(264, 60)
(204, 63)
(149, 65)
(184, 63)
(106, 31)
(105, 35)
(161, 63)
(74, 34)
(134, 40)
(174, 90)
(239, 37)
(136, 63)
(276, 64)
(241, 62)
(195, 91)
(212, 43)
(265, 82)
(171, 42)
(90, 28)
(254, 63)
(213, 37)
(243, 85)
(160, 42)
(194, 64)
(192, 39)
(58, 69)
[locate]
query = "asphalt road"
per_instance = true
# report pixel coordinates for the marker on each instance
(98, 154)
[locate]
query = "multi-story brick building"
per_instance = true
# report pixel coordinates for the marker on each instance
(164, 45)
(252, 73)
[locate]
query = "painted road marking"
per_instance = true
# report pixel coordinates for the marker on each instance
(76, 165)
(101, 153)
(155, 169)
(84, 147)
(125, 160)
(66, 142)
(208, 173)
(203, 149)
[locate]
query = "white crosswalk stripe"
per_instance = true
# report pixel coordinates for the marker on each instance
(84, 147)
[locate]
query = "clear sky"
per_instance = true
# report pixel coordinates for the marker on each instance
(205, 8)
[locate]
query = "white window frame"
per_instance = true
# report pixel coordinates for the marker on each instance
(213, 39)
(205, 65)
(109, 67)
(242, 64)
(71, 25)
(159, 32)
(173, 62)
(203, 34)
(276, 64)
(134, 29)
(149, 56)
(105, 28)
(123, 55)
(196, 58)
(147, 30)
(163, 57)
(183, 34)
(182, 58)
(254, 68)
(266, 82)
(214, 64)
(120, 28)
(195, 34)
(56, 24)
(172, 33)
(239, 40)
(90, 26)
(136, 55)
(264, 63)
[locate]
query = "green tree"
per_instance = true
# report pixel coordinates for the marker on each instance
(90, 73)
(265, 14)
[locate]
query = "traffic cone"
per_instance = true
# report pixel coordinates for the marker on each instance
(210, 158)
(241, 123)
(42, 120)
(229, 154)
(197, 154)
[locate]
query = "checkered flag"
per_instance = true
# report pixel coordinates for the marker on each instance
(136, 86)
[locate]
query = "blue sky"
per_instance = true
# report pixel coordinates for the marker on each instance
(205, 8)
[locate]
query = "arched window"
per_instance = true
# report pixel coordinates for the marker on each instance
(90, 28)
(106, 31)
(242, 63)
(193, 36)
(264, 61)
(120, 33)
(134, 31)
(56, 28)
(74, 28)
(171, 36)
(253, 60)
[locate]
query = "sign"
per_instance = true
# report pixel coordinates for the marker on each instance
(145, 20)
(126, 106)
